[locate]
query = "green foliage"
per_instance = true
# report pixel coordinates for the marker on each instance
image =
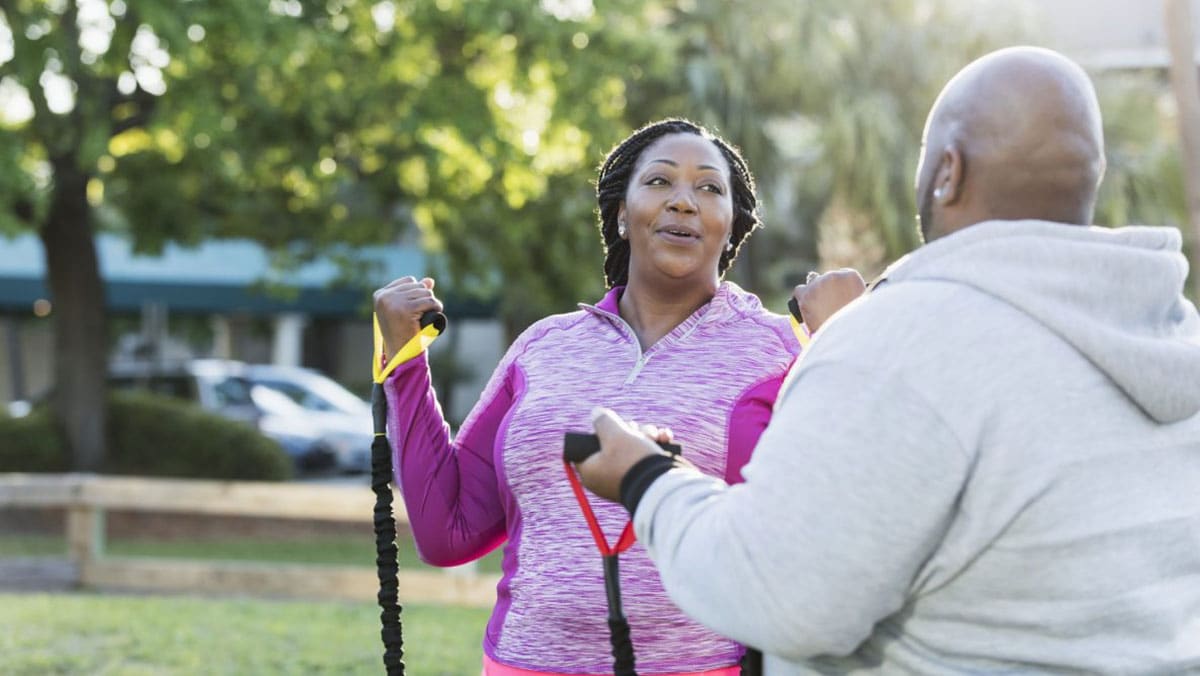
(31, 444)
(151, 436)
(827, 101)
(157, 436)
(1143, 183)
(469, 126)
(474, 127)
(506, 162)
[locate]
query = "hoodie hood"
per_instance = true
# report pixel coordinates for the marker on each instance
(1115, 295)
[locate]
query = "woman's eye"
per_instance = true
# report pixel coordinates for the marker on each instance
(656, 180)
(713, 188)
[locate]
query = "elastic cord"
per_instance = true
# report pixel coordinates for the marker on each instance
(627, 535)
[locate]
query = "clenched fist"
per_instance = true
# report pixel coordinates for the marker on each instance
(622, 445)
(823, 295)
(399, 307)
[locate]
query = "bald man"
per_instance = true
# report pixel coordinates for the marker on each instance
(991, 464)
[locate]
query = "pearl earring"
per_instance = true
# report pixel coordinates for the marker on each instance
(621, 230)
(729, 245)
(937, 193)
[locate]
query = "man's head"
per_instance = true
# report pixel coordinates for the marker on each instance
(1014, 135)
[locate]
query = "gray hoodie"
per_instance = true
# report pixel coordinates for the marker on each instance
(989, 465)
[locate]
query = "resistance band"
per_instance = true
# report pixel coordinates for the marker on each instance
(576, 448)
(386, 563)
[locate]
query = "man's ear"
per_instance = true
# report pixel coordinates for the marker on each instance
(948, 182)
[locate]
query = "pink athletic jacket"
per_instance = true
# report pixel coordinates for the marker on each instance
(712, 380)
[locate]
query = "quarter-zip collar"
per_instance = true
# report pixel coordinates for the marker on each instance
(728, 304)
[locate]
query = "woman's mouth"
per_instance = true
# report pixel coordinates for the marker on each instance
(678, 234)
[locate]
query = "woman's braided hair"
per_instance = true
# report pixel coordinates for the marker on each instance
(614, 182)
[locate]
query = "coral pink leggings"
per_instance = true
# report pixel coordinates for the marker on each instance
(493, 668)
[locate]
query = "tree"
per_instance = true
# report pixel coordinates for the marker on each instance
(305, 125)
(1143, 182)
(543, 97)
(827, 100)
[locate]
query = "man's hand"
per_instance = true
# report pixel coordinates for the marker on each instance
(823, 295)
(622, 445)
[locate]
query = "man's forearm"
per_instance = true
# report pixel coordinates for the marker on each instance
(683, 520)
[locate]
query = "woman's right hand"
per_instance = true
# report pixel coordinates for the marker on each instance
(399, 307)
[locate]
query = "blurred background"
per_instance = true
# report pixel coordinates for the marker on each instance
(197, 198)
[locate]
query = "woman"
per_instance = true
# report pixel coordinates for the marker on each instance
(669, 342)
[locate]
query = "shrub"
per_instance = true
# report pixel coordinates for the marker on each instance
(31, 444)
(151, 435)
(158, 436)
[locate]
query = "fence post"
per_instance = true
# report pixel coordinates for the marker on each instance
(85, 539)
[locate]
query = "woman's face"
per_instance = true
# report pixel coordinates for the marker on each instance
(678, 210)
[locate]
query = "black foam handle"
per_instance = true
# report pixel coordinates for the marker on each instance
(752, 663)
(578, 446)
(794, 308)
(379, 408)
(612, 588)
(437, 319)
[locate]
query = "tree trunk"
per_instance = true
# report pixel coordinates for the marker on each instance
(1185, 80)
(80, 329)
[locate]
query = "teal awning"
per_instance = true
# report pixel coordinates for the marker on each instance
(220, 276)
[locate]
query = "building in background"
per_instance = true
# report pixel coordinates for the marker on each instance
(224, 299)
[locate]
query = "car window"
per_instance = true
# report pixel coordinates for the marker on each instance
(310, 389)
(232, 392)
(298, 394)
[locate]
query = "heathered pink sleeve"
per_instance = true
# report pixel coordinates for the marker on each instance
(450, 489)
(747, 420)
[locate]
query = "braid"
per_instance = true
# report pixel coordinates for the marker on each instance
(613, 183)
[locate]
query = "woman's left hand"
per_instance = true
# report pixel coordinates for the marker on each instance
(823, 295)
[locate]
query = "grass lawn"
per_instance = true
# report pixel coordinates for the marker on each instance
(32, 545)
(348, 551)
(120, 635)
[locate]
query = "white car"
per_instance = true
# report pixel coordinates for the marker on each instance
(321, 425)
(342, 419)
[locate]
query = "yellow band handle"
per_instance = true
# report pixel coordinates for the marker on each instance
(801, 331)
(411, 349)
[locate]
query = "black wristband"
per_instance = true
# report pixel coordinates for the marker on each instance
(637, 480)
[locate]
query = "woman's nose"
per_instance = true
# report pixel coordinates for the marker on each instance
(682, 200)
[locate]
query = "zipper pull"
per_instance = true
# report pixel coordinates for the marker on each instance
(637, 368)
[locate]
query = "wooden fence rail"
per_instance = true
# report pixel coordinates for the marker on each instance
(87, 497)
